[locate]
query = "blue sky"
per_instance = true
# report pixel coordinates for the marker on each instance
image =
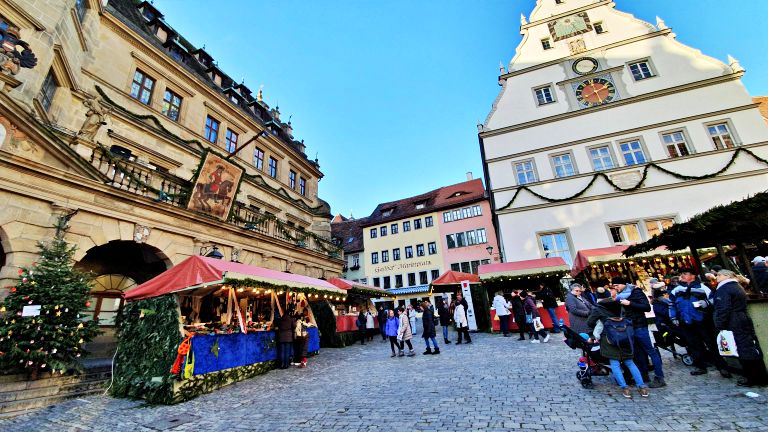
(388, 93)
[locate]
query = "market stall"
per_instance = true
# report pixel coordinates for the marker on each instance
(452, 282)
(526, 275)
(358, 298)
(209, 323)
(598, 265)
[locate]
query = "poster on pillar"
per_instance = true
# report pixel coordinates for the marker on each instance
(215, 187)
(467, 293)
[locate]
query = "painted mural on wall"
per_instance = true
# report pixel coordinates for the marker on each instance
(215, 186)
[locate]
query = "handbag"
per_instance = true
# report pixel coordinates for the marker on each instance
(537, 325)
(726, 344)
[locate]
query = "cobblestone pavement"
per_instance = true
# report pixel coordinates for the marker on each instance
(493, 384)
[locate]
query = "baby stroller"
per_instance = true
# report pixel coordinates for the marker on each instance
(670, 337)
(591, 362)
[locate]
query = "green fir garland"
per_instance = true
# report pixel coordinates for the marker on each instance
(541, 275)
(253, 283)
(148, 337)
(202, 384)
(639, 184)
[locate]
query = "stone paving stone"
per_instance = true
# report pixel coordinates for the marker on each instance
(494, 384)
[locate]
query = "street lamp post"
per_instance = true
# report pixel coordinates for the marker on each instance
(211, 252)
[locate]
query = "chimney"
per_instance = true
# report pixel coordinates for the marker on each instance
(469, 175)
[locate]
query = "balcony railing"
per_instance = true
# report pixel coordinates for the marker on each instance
(137, 178)
(131, 176)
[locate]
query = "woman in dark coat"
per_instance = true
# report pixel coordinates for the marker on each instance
(532, 312)
(519, 313)
(578, 309)
(428, 324)
(285, 329)
(445, 318)
(731, 314)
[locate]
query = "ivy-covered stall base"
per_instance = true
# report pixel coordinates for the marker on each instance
(151, 349)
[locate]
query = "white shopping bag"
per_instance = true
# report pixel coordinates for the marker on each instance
(726, 344)
(537, 325)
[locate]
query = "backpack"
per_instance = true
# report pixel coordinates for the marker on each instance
(619, 332)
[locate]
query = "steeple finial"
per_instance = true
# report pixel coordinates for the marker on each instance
(502, 70)
(734, 64)
(660, 24)
(523, 21)
(260, 94)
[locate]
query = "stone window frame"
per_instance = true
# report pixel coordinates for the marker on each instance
(651, 67)
(568, 238)
(643, 147)
(551, 88)
(552, 157)
(686, 137)
(729, 124)
(611, 151)
(536, 176)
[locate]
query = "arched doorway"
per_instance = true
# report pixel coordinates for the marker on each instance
(117, 266)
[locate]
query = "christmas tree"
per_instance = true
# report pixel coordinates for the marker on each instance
(51, 337)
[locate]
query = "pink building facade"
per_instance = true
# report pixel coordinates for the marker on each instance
(466, 234)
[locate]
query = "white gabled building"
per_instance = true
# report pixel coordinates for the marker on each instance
(595, 97)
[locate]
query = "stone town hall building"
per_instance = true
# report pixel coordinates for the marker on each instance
(126, 184)
(607, 130)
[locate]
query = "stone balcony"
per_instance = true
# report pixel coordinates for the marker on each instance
(132, 176)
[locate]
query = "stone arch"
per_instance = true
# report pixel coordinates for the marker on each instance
(139, 261)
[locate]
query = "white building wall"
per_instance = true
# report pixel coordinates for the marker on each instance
(689, 91)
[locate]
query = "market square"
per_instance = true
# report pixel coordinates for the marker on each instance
(357, 216)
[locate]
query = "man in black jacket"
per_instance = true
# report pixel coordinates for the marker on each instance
(382, 323)
(635, 304)
(549, 301)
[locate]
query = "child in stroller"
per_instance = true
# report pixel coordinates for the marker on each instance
(668, 336)
(591, 363)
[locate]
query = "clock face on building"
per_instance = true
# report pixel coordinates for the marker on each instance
(569, 26)
(585, 65)
(595, 91)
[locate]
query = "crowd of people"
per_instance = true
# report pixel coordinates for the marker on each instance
(398, 325)
(687, 310)
(292, 337)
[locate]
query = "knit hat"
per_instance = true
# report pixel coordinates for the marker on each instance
(618, 280)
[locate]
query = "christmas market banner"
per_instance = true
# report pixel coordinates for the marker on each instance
(215, 187)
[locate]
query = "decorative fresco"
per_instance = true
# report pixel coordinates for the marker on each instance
(215, 186)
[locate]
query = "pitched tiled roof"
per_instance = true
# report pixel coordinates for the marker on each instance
(439, 199)
(349, 234)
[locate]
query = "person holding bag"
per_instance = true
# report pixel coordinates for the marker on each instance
(532, 318)
(404, 334)
(460, 318)
(731, 315)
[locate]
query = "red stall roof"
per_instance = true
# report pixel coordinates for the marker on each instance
(522, 268)
(348, 284)
(455, 278)
(587, 257)
(197, 271)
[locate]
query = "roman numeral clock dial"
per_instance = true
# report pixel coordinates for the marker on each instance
(595, 91)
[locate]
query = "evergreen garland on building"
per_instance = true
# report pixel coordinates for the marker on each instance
(53, 339)
(639, 184)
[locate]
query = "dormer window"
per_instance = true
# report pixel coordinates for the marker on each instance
(387, 212)
(420, 205)
(148, 11)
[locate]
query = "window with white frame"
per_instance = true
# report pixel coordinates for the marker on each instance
(544, 95)
(641, 70)
(355, 260)
(555, 244)
(374, 257)
(601, 158)
(432, 248)
(393, 228)
(525, 172)
(675, 144)
(563, 165)
(396, 254)
(656, 227)
(628, 232)
(721, 136)
(385, 256)
(374, 232)
(632, 152)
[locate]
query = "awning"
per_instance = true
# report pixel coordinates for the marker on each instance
(409, 290)
(587, 257)
(198, 272)
(523, 268)
(348, 285)
(455, 278)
